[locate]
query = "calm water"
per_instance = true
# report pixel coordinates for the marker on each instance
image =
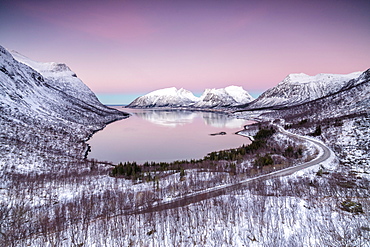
(153, 135)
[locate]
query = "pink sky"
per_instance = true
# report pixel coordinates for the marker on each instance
(139, 46)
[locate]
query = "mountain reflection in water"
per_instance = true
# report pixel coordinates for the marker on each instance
(158, 135)
(174, 118)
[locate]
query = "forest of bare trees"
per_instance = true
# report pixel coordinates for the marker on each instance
(85, 206)
(284, 211)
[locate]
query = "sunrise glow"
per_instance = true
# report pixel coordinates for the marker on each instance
(134, 47)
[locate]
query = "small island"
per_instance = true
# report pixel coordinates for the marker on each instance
(218, 134)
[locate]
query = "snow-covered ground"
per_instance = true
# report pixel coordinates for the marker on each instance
(88, 207)
(279, 212)
(51, 196)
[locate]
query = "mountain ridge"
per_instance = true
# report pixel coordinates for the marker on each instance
(351, 100)
(166, 97)
(211, 98)
(37, 108)
(298, 89)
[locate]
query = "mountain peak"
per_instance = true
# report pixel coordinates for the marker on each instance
(59, 76)
(172, 97)
(239, 94)
(300, 88)
(302, 78)
(48, 69)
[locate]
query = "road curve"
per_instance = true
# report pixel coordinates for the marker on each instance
(224, 189)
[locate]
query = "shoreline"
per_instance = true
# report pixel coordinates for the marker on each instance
(87, 146)
(245, 135)
(227, 115)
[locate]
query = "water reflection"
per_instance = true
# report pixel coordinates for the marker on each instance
(219, 120)
(167, 118)
(176, 118)
(151, 135)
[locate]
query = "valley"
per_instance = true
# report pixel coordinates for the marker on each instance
(302, 181)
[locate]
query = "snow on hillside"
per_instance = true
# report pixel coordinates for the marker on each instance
(223, 97)
(37, 108)
(239, 94)
(300, 88)
(352, 98)
(60, 76)
(48, 87)
(171, 97)
(165, 97)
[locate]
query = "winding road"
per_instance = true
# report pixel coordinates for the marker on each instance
(324, 154)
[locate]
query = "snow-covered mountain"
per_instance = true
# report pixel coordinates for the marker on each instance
(223, 97)
(352, 99)
(47, 108)
(60, 76)
(49, 90)
(171, 97)
(300, 88)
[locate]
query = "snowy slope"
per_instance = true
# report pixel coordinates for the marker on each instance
(171, 97)
(47, 112)
(50, 89)
(352, 98)
(300, 88)
(165, 97)
(60, 76)
(223, 97)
